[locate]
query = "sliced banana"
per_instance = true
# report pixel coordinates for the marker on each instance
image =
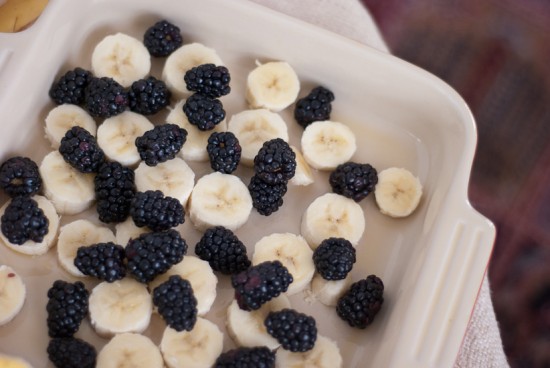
(62, 118)
(303, 175)
(126, 230)
(397, 192)
(198, 348)
(273, 86)
(332, 215)
(328, 291)
(327, 144)
(9, 361)
(130, 350)
(293, 252)
(121, 57)
(325, 354)
(254, 127)
(219, 200)
(12, 294)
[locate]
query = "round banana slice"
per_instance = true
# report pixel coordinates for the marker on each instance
(130, 350)
(329, 291)
(397, 192)
(273, 86)
(303, 175)
(62, 118)
(126, 230)
(12, 295)
(325, 354)
(8, 361)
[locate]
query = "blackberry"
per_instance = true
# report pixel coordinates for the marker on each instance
(162, 38)
(102, 260)
(19, 176)
(80, 149)
(152, 209)
(360, 304)
(353, 180)
(260, 283)
(176, 303)
(161, 143)
(114, 190)
(255, 357)
(221, 248)
(23, 220)
(266, 198)
(69, 88)
(204, 112)
(316, 106)
(334, 258)
(209, 80)
(67, 306)
(224, 152)
(104, 97)
(70, 352)
(148, 96)
(152, 254)
(275, 162)
(295, 331)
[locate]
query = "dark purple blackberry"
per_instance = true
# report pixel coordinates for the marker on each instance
(224, 152)
(103, 260)
(221, 248)
(152, 254)
(80, 149)
(67, 306)
(275, 162)
(334, 258)
(162, 38)
(19, 176)
(161, 143)
(114, 190)
(69, 88)
(295, 331)
(152, 209)
(209, 80)
(360, 304)
(260, 283)
(353, 180)
(316, 106)
(256, 357)
(70, 352)
(23, 220)
(148, 96)
(204, 112)
(266, 198)
(104, 97)
(176, 303)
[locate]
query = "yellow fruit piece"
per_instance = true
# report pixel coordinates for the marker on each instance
(16, 15)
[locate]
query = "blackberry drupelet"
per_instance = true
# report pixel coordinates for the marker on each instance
(295, 331)
(204, 112)
(260, 283)
(266, 198)
(316, 106)
(221, 248)
(148, 96)
(23, 220)
(67, 306)
(176, 303)
(70, 352)
(360, 304)
(275, 162)
(224, 152)
(209, 80)
(161, 143)
(80, 149)
(152, 209)
(69, 88)
(104, 97)
(152, 254)
(162, 38)
(114, 190)
(242, 357)
(353, 180)
(334, 258)
(102, 260)
(19, 176)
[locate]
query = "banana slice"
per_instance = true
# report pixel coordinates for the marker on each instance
(121, 306)
(64, 117)
(126, 230)
(397, 192)
(219, 200)
(327, 144)
(325, 354)
(254, 127)
(303, 175)
(273, 86)
(328, 292)
(293, 252)
(248, 329)
(12, 294)
(198, 348)
(75, 235)
(8, 361)
(121, 57)
(117, 136)
(200, 276)
(70, 191)
(130, 350)
(332, 215)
